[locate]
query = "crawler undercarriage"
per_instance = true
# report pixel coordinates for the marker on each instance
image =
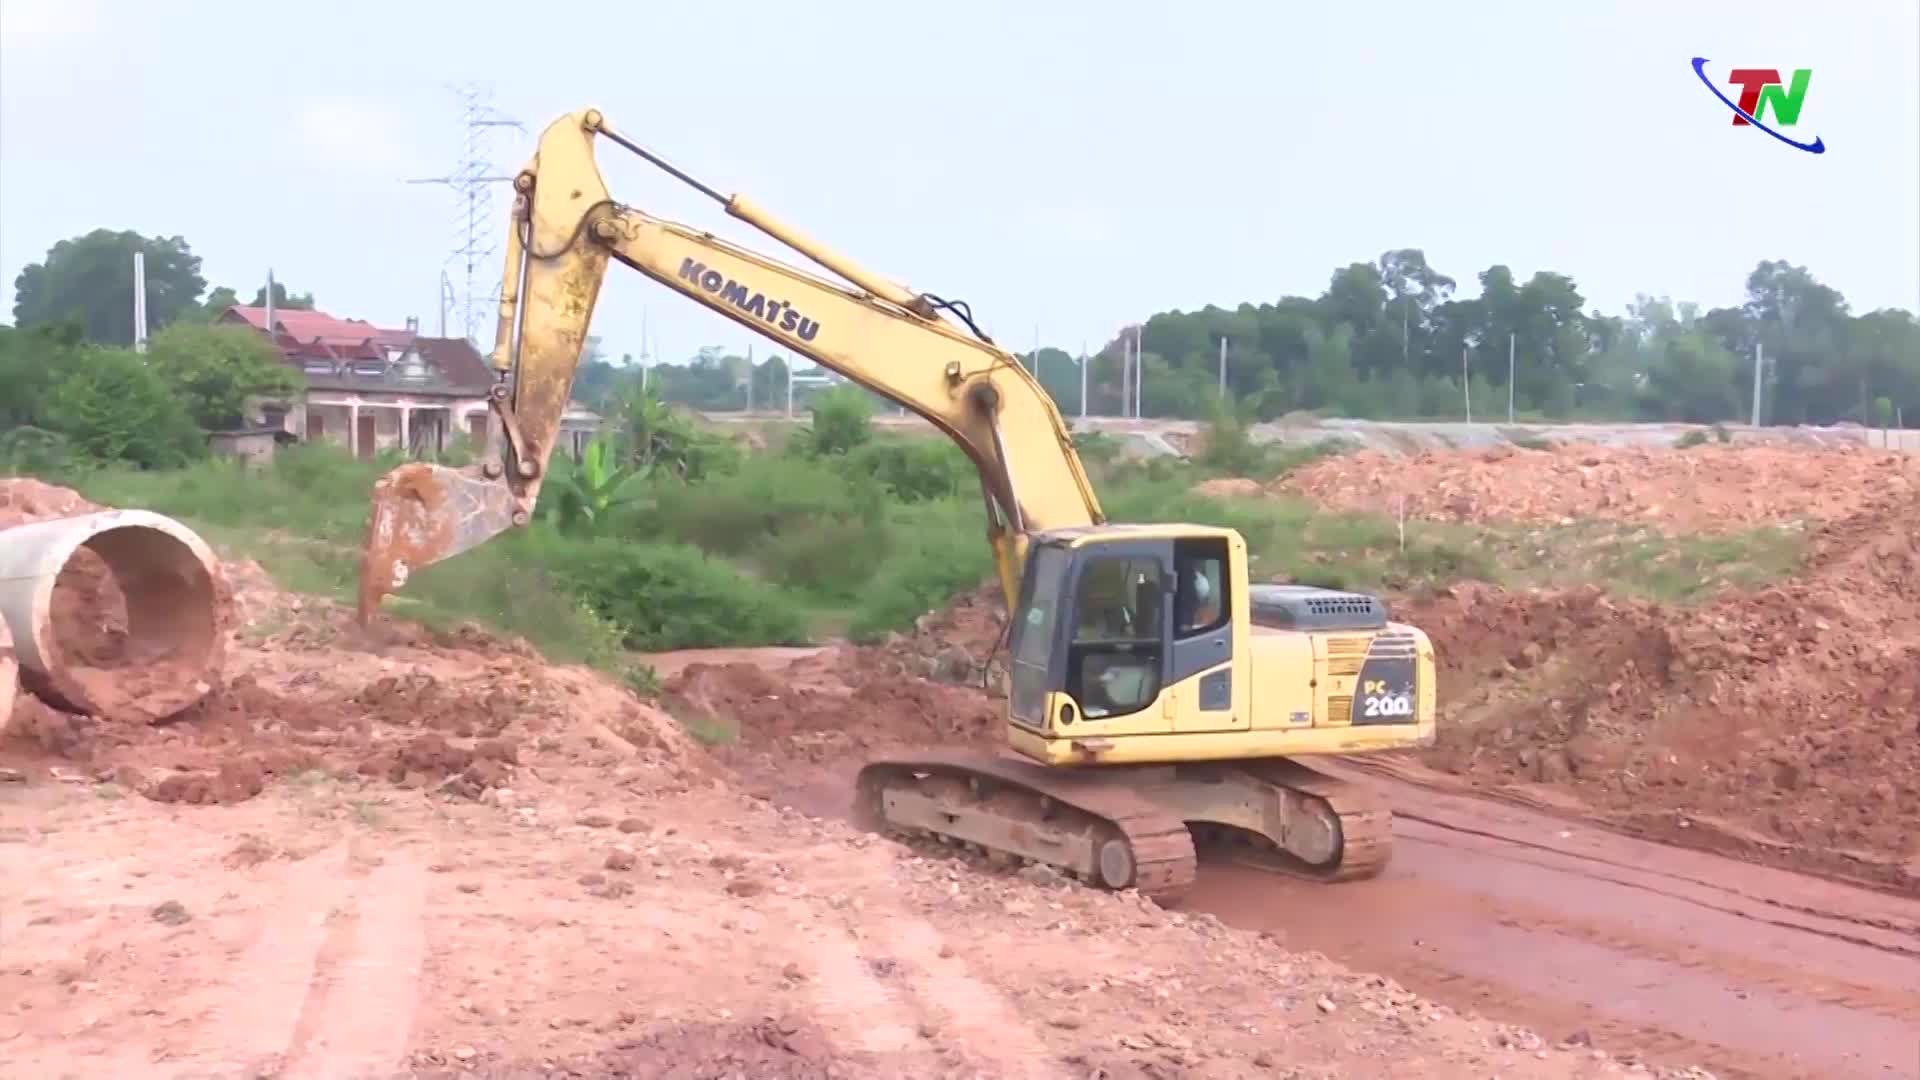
(1135, 827)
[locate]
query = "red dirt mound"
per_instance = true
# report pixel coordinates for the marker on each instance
(1779, 723)
(1710, 488)
(877, 707)
(24, 499)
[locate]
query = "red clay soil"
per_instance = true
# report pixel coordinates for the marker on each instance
(1781, 724)
(395, 704)
(772, 1048)
(1708, 488)
(24, 499)
(917, 689)
(89, 613)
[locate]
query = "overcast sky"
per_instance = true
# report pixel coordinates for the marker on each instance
(1070, 166)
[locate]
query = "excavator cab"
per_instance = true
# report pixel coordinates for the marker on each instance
(1125, 630)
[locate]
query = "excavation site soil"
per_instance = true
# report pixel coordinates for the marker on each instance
(1765, 738)
(1650, 839)
(382, 852)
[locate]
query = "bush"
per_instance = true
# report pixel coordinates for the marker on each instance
(215, 369)
(671, 596)
(939, 551)
(113, 408)
(842, 420)
(34, 450)
(915, 470)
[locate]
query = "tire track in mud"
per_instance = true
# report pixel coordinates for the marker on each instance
(248, 1023)
(977, 1012)
(328, 986)
(846, 989)
(1782, 859)
(886, 984)
(366, 1010)
(1748, 970)
(1894, 943)
(1854, 910)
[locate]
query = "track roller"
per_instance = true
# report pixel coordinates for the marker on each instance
(1132, 827)
(1086, 823)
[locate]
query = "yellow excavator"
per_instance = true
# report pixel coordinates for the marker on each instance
(1157, 697)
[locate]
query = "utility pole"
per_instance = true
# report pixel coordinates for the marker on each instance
(1139, 372)
(1036, 351)
(1223, 367)
(1510, 378)
(749, 378)
(1466, 383)
(140, 304)
(1759, 365)
(1083, 379)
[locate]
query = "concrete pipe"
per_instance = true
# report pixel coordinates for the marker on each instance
(118, 614)
(9, 676)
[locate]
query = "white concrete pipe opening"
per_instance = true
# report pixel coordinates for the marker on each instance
(118, 614)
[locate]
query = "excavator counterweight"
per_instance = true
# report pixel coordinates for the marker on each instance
(1157, 698)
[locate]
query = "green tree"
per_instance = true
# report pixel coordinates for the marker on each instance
(89, 279)
(30, 362)
(215, 369)
(842, 420)
(217, 302)
(282, 299)
(113, 407)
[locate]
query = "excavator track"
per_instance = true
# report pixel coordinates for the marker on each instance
(1087, 823)
(1356, 817)
(1134, 826)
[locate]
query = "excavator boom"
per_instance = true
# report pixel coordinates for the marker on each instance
(889, 339)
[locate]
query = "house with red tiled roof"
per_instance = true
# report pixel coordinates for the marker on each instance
(371, 388)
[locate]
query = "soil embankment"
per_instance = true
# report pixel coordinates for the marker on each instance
(436, 855)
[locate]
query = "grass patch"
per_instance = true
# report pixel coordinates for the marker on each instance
(1296, 540)
(577, 600)
(1638, 561)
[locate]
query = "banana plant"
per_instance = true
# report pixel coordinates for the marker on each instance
(598, 485)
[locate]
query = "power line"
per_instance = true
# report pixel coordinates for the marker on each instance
(472, 182)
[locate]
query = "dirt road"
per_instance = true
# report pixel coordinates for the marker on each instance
(590, 922)
(1584, 934)
(1568, 928)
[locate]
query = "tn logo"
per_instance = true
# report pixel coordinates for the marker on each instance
(1761, 87)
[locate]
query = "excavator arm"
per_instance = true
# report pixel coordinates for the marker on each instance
(566, 227)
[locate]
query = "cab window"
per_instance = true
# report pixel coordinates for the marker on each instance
(1200, 595)
(1116, 656)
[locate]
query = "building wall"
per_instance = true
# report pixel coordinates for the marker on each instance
(430, 428)
(252, 448)
(433, 424)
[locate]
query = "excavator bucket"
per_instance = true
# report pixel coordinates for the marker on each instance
(424, 513)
